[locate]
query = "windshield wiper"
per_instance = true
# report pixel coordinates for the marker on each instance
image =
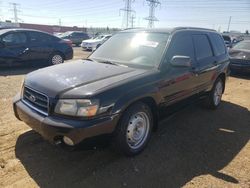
(106, 62)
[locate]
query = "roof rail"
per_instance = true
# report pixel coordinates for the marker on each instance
(181, 28)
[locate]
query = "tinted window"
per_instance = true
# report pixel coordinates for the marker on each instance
(41, 37)
(218, 44)
(14, 39)
(140, 49)
(181, 45)
(245, 45)
(202, 47)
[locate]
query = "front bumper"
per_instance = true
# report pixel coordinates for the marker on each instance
(69, 54)
(54, 128)
(240, 65)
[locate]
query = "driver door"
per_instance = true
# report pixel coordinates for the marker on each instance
(179, 82)
(14, 47)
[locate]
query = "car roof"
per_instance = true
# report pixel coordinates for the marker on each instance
(18, 29)
(167, 30)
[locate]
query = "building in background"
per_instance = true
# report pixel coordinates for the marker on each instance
(52, 29)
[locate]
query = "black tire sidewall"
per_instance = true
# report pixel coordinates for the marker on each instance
(121, 132)
(211, 103)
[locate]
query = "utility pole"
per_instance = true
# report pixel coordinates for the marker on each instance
(229, 23)
(15, 11)
(151, 18)
(60, 22)
(127, 13)
(132, 21)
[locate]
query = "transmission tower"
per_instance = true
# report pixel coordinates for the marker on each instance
(15, 11)
(151, 18)
(127, 13)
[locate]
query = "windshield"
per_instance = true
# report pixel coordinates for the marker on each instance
(99, 37)
(133, 49)
(226, 38)
(65, 34)
(243, 45)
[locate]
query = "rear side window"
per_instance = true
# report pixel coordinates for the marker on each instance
(41, 37)
(202, 47)
(181, 45)
(218, 44)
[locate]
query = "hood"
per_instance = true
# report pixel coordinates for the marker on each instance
(88, 75)
(91, 40)
(239, 54)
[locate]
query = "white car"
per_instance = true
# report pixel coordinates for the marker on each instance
(94, 43)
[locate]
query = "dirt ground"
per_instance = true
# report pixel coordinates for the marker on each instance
(194, 148)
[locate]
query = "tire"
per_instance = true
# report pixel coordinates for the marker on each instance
(213, 99)
(134, 129)
(56, 58)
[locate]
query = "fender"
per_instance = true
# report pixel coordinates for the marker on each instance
(130, 97)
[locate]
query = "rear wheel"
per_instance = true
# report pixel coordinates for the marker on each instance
(134, 129)
(214, 98)
(56, 58)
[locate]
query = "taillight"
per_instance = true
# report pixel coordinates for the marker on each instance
(68, 42)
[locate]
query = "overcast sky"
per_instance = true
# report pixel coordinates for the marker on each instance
(99, 13)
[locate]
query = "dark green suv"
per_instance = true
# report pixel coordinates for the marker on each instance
(121, 87)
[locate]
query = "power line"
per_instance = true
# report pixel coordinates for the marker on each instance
(127, 13)
(151, 18)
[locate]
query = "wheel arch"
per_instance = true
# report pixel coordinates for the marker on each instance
(151, 102)
(222, 76)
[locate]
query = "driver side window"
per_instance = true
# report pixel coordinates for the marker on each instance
(181, 45)
(13, 39)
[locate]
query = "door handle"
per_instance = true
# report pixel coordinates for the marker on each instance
(26, 49)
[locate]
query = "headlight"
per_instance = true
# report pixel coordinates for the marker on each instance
(77, 107)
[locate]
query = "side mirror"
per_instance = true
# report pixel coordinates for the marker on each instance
(181, 61)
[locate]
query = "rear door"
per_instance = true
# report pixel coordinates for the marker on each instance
(15, 47)
(205, 59)
(41, 45)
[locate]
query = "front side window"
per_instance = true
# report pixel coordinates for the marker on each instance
(181, 45)
(133, 49)
(14, 39)
(202, 47)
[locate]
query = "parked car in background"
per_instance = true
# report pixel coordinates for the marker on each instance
(122, 86)
(228, 41)
(240, 57)
(75, 36)
(19, 46)
(93, 44)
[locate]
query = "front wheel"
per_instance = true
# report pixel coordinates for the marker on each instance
(214, 98)
(134, 129)
(56, 58)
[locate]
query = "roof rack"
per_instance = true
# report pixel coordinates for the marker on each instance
(200, 28)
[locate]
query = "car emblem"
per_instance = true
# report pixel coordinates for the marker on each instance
(32, 98)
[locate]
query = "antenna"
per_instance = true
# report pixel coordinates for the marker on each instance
(151, 18)
(127, 13)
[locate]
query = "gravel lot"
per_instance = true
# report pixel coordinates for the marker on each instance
(194, 148)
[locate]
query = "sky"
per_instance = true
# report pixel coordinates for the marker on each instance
(212, 14)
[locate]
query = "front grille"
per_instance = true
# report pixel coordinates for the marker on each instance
(36, 100)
